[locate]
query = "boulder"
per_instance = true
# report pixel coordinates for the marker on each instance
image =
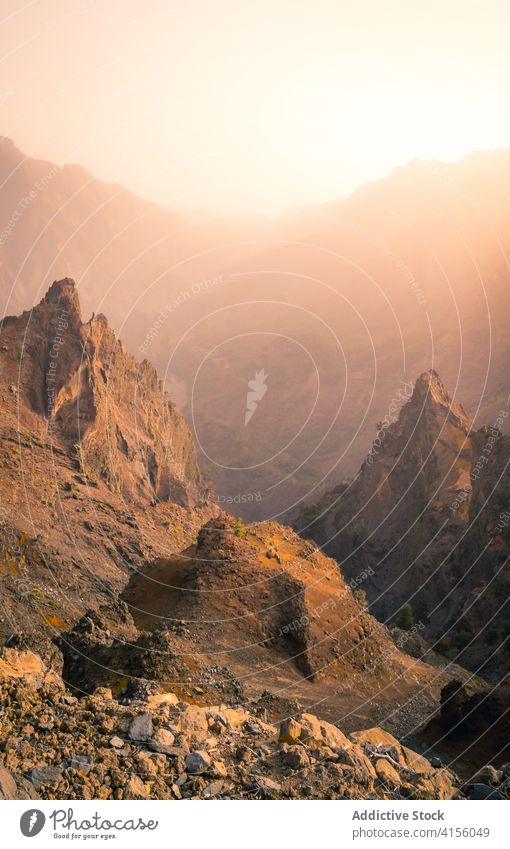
(162, 741)
(8, 789)
(231, 718)
(15, 787)
(290, 731)
(362, 769)
(332, 736)
(439, 785)
(415, 762)
(40, 775)
(483, 791)
(27, 666)
(488, 775)
(161, 700)
(317, 732)
(310, 729)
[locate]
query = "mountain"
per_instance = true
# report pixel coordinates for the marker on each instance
(339, 304)
(146, 632)
(101, 491)
(57, 221)
(98, 466)
(426, 522)
(408, 273)
(102, 499)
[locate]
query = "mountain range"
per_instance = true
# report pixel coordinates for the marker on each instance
(337, 378)
(408, 273)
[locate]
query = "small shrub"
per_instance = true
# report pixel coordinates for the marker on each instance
(361, 598)
(239, 529)
(405, 618)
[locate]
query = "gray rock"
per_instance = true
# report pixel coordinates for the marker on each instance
(116, 743)
(80, 763)
(44, 775)
(197, 762)
(141, 728)
(213, 789)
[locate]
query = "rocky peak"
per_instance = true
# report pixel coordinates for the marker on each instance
(430, 392)
(424, 517)
(75, 383)
(64, 294)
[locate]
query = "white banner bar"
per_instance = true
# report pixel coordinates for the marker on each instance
(253, 824)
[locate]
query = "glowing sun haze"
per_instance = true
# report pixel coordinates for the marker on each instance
(252, 104)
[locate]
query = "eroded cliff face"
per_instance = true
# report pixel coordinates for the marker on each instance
(75, 380)
(420, 523)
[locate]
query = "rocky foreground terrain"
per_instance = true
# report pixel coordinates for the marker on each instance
(158, 746)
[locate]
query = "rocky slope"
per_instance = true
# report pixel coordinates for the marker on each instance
(99, 469)
(425, 522)
(160, 746)
(251, 615)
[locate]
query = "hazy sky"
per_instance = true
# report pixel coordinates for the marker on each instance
(252, 104)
